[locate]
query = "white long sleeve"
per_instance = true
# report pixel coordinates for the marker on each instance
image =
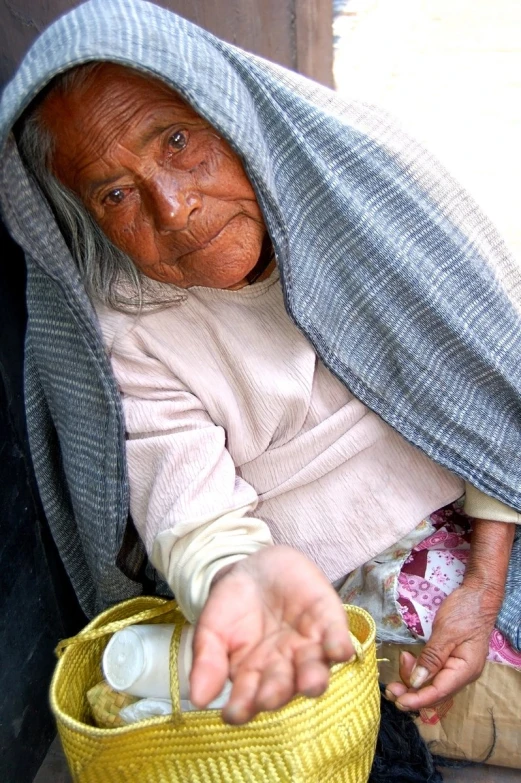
(190, 558)
(187, 502)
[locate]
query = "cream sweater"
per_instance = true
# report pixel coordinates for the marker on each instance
(229, 412)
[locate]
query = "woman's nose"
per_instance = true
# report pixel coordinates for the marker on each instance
(171, 201)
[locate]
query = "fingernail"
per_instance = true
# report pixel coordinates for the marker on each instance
(313, 693)
(400, 707)
(333, 649)
(389, 695)
(352, 659)
(233, 712)
(418, 676)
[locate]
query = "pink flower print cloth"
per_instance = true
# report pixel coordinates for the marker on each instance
(435, 568)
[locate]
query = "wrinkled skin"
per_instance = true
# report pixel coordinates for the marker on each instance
(172, 194)
(163, 186)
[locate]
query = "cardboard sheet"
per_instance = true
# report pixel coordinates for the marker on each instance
(463, 727)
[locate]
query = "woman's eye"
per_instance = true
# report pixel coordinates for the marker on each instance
(178, 140)
(115, 196)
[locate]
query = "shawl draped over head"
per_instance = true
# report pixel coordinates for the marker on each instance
(400, 283)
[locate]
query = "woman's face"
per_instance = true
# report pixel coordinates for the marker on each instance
(159, 181)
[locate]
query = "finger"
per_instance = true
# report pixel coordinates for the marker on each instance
(241, 705)
(337, 643)
(210, 668)
(433, 657)
(445, 684)
(407, 664)
(395, 689)
(277, 685)
(326, 621)
(312, 672)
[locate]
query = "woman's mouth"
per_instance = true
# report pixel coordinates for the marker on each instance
(197, 247)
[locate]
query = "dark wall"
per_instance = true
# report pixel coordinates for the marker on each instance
(294, 33)
(37, 606)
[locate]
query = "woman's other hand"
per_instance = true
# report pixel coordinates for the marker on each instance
(456, 653)
(272, 624)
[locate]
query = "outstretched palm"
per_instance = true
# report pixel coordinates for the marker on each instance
(272, 624)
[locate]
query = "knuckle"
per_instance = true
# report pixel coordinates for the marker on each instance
(432, 658)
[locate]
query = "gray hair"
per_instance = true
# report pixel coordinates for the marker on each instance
(108, 274)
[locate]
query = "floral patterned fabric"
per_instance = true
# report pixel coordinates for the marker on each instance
(435, 568)
(404, 586)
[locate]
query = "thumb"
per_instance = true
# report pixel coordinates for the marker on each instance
(432, 658)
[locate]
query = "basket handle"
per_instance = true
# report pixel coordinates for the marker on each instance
(359, 650)
(175, 694)
(117, 625)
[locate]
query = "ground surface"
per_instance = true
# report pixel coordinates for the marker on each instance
(452, 72)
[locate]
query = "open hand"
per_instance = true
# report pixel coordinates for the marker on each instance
(272, 624)
(455, 654)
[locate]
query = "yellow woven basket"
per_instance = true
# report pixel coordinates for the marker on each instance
(326, 740)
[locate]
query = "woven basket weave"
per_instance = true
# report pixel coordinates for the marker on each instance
(105, 705)
(326, 740)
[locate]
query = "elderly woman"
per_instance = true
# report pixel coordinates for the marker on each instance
(258, 480)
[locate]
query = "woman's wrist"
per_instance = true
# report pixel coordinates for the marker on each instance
(220, 574)
(490, 548)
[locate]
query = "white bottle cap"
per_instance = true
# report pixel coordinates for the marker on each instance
(123, 660)
(137, 660)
